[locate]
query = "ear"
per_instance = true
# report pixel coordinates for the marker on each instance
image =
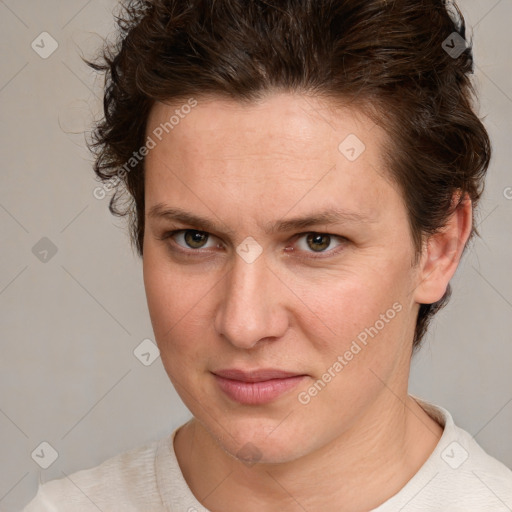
(442, 252)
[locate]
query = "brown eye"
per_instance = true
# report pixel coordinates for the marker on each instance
(318, 242)
(319, 245)
(195, 239)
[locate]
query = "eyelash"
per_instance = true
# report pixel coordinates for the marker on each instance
(312, 255)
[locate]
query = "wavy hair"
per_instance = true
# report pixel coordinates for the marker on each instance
(405, 63)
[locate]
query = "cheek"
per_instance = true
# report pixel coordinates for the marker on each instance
(357, 329)
(178, 303)
(340, 305)
(364, 322)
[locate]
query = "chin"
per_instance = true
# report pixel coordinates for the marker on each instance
(262, 441)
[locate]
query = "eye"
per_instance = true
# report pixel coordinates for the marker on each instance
(315, 245)
(319, 243)
(191, 239)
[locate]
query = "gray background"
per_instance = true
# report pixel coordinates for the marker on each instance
(68, 374)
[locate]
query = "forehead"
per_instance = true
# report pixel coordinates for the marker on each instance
(287, 117)
(286, 151)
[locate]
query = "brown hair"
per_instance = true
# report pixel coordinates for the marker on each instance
(400, 61)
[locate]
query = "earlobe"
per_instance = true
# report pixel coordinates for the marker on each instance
(442, 253)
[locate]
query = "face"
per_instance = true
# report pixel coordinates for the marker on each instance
(275, 240)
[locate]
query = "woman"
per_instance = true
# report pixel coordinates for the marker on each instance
(302, 178)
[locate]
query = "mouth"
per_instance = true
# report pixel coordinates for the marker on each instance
(256, 387)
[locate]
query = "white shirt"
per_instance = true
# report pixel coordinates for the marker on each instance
(458, 476)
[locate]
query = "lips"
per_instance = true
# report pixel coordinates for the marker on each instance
(255, 375)
(255, 387)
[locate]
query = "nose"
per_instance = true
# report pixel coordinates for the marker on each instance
(251, 308)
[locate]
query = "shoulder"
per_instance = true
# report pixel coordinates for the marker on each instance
(463, 456)
(466, 478)
(468, 462)
(127, 479)
(458, 476)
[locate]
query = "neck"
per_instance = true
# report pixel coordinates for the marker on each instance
(361, 469)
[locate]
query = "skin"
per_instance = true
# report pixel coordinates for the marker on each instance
(245, 166)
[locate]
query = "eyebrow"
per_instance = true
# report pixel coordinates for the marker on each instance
(327, 217)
